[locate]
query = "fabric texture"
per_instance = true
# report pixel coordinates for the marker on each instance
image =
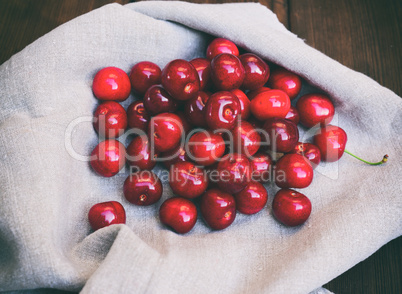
(47, 187)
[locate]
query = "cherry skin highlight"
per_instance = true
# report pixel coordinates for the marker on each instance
(227, 72)
(187, 180)
(290, 207)
(284, 80)
(157, 100)
(139, 153)
(108, 158)
(246, 139)
(244, 103)
(194, 109)
(268, 104)
(261, 165)
(218, 209)
(203, 68)
(310, 151)
(222, 110)
(143, 75)
(283, 134)
(331, 140)
(293, 171)
(179, 214)
(234, 172)
(137, 116)
(256, 71)
(110, 119)
(173, 156)
(166, 130)
(205, 148)
(105, 214)
(315, 109)
(142, 188)
(221, 45)
(293, 115)
(111, 83)
(252, 198)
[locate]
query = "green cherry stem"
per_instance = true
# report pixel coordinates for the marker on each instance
(384, 159)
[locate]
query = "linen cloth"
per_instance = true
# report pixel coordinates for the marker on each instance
(46, 188)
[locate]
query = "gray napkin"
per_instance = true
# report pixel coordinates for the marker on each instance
(47, 187)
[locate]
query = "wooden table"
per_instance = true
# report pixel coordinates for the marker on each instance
(365, 35)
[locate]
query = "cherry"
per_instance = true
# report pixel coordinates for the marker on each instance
(257, 71)
(261, 165)
(137, 116)
(220, 45)
(222, 110)
(310, 151)
(187, 180)
(282, 134)
(331, 140)
(139, 153)
(187, 127)
(251, 95)
(227, 72)
(110, 119)
(268, 104)
(108, 158)
(203, 68)
(246, 139)
(157, 100)
(180, 79)
(293, 115)
(194, 109)
(179, 214)
(315, 109)
(205, 147)
(218, 209)
(166, 130)
(105, 214)
(293, 171)
(143, 75)
(142, 188)
(286, 81)
(173, 156)
(111, 83)
(244, 103)
(252, 198)
(290, 207)
(234, 172)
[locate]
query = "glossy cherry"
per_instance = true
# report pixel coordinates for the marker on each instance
(140, 155)
(218, 209)
(194, 109)
(315, 109)
(261, 165)
(137, 116)
(290, 207)
(251, 94)
(179, 214)
(105, 214)
(293, 115)
(331, 140)
(310, 151)
(187, 180)
(284, 80)
(256, 70)
(246, 139)
(252, 198)
(142, 188)
(244, 103)
(282, 134)
(222, 110)
(108, 158)
(143, 75)
(187, 126)
(268, 104)
(221, 45)
(234, 172)
(180, 79)
(205, 147)
(166, 130)
(203, 68)
(111, 83)
(227, 72)
(157, 100)
(293, 171)
(177, 154)
(110, 119)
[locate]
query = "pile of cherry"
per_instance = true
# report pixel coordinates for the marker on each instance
(215, 123)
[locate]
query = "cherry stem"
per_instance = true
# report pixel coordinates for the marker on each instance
(384, 159)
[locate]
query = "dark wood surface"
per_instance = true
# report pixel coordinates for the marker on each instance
(365, 35)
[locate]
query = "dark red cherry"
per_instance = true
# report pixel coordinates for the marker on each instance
(293, 171)
(137, 116)
(268, 104)
(220, 45)
(111, 83)
(261, 165)
(205, 147)
(194, 109)
(284, 80)
(315, 109)
(180, 79)
(203, 68)
(251, 95)
(105, 214)
(157, 100)
(187, 180)
(142, 188)
(139, 153)
(166, 130)
(187, 127)
(310, 151)
(179, 214)
(218, 209)
(110, 119)
(252, 198)
(293, 115)
(331, 140)
(222, 110)
(234, 172)
(108, 158)
(143, 75)
(173, 156)
(257, 71)
(282, 135)
(244, 103)
(227, 72)
(246, 139)
(290, 207)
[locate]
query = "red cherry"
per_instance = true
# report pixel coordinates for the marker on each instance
(187, 180)
(142, 188)
(203, 68)
(315, 109)
(111, 83)
(244, 103)
(222, 110)
(251, 95)
(286, 81)
(293, 115)
(252, 198)
(220, 45)
(187, 127)
(105, 214)
(246, 139)
(166, 130)
(173, 156)
(179, 214)
(139, 153)
(310, 151)
(137, 116)
(293, 171)
(108, 158)
(234, 172)
(205, 148)
(194, 109)
(143, 75)
(257, 71)
(218, 209)
(261, 165)
(180, 79)
(331, 140)
(290, 207)
(157, 100)
(268, 104)
(227, 72)
(110, 119)
(282, 134)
